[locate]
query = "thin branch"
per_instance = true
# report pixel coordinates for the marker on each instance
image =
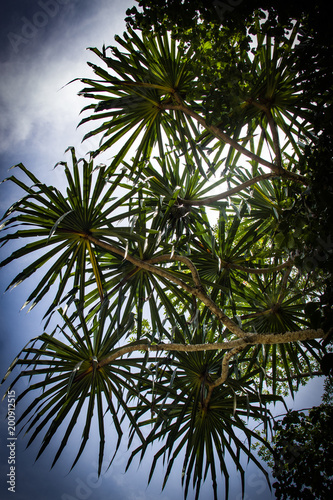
(248, 270)
(256, 314)
(226, 194)
(224, 373)
(259, 270)
(227, 265)
(178, 258)
(289, 265)
(220, 135)
(278, 170)
(195, 291)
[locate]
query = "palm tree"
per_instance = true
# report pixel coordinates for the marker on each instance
(133, 241)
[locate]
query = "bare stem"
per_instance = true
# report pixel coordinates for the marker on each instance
(224, 373)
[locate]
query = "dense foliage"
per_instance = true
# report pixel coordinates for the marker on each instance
(302, 460)
(198, 247)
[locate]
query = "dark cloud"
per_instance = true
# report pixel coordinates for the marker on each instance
(43, 46)
(28, 25)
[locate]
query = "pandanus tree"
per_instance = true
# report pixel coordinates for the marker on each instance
(178, 297)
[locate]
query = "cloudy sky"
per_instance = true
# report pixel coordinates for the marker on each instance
(43, 47)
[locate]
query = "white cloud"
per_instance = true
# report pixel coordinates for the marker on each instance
(39, 112)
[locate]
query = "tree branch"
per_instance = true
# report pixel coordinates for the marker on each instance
(224, 374)
(259, 270)
(178, 258)
(250, 339)
(197, 291)
(221, 135)
(226, 194)
(256, 314)
(249, 270)
(278, 170)
(236, 346)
